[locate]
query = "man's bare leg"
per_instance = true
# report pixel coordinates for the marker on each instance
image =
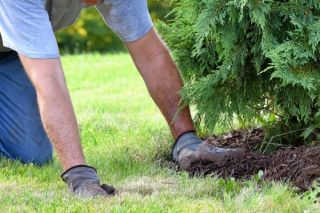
(56, 110)
(163, 81)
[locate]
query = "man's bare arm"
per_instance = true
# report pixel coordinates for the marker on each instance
(60, 123)
(164, 83)
(162, 78)
(56, 109)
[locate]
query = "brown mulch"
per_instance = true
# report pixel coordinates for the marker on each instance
(298, 165)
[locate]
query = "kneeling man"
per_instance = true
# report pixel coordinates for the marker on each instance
(35, 106)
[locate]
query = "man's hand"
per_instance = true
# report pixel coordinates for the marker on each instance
(83, 181)
(189, 149)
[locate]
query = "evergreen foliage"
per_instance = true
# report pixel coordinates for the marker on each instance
(258, 60)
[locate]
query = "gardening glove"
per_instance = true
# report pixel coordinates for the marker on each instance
(189, 149)
(83, 181)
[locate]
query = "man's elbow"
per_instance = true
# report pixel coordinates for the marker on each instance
(46, 75)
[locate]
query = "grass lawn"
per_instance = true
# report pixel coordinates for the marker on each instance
(125, 137)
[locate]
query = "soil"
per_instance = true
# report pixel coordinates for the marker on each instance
(298, 165)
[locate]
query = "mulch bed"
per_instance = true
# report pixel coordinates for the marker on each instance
(298, 165)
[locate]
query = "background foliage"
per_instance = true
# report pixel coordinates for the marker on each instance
(256, 61)
(90, 34)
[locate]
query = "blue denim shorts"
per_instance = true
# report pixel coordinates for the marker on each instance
(22, 136)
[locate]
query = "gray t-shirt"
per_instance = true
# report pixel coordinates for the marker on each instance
(27, 26)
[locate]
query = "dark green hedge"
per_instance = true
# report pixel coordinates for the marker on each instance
(254, 61)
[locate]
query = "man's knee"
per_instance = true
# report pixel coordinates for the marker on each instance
(39, 156)
(38, 152)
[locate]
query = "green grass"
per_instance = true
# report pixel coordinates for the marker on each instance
(125, 137)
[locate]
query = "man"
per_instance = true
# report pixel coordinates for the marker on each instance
(35, 106)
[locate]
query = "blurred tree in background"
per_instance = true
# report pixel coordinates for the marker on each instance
(90, 34)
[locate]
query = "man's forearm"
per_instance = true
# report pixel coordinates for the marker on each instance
(164, 84)
(56, 110)
(163, 81)
(60, 124)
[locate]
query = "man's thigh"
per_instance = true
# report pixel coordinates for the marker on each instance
(22, 136)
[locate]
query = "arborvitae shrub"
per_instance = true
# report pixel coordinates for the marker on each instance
(254, 60)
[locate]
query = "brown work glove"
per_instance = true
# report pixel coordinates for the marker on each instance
(83, 181)
(190, 149)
